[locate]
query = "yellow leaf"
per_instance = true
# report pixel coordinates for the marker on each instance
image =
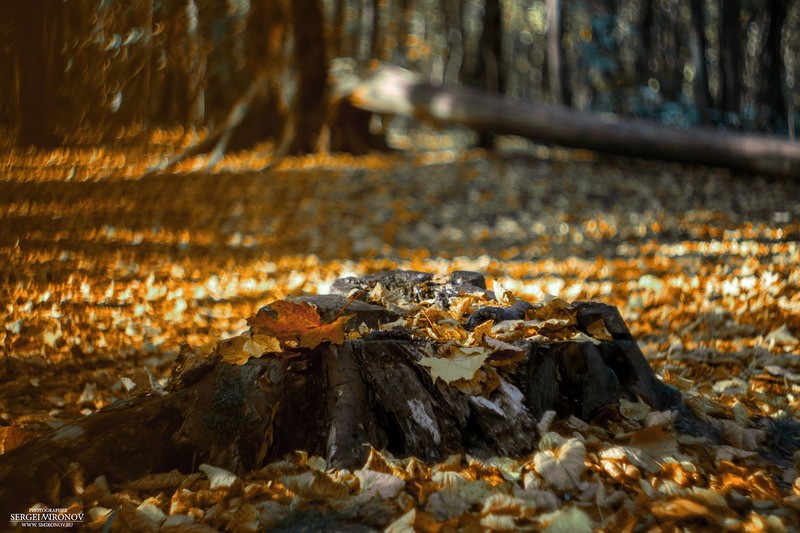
(481, 330)
(679, 509)
(598, 330)
(232, 350)
(463, 365)
(260, 344)
(569, 520)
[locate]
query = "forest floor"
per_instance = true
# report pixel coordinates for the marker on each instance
(103, 275)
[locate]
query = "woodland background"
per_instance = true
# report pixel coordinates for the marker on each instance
(83, 71)
(122, 245)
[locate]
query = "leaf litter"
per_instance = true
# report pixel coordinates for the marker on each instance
(100, 285)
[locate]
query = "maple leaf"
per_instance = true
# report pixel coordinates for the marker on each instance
(563, 465)
(297, 324)
(461, 366)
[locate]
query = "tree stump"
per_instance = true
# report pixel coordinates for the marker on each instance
(335, 400)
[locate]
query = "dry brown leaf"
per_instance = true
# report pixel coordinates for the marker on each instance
(297, 322)
(656, 441)
(679, 509)
(12, 437)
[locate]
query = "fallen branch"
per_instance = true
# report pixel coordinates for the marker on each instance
(393, 90)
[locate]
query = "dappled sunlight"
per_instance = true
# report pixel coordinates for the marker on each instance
(106, 277)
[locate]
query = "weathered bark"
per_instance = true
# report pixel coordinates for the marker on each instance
(396, 91)
(333, 401)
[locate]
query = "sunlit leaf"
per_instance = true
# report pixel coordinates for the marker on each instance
(219, 477)
(314, 484)
(597, 329)
(563, 467)
(299, 322)
(569, 520)
(377, 484)
(461, 364)
(679, 509)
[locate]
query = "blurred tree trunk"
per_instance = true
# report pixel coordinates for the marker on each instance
(377, 43)
(308, 109)
(487, 72)
(183, 99)
(38, 35)
(697, 46)
(661, 44)
(455, 40)
(196, 67)
(365, 33)
(146, 77)
(406, 8)
(773, 79)
(268, 30)
(338, 34)
(730, 46)
(646, 21)
(556, 68)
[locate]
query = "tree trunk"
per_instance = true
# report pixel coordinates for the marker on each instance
(772, 91)
(556, 69)
(697, 45)
(730, 44)
(333, 401)
(38, 31)
(394, 90)
(644, 54)
(487, 71)
(307, 116)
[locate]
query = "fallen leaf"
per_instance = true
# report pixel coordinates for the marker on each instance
(290, 322)
(218, 477)
(679, 509)
(504, 353)
(656, 441)
(259, 345)
(316, 485)
(633, 410)
(477, 335)
(598, 330)
(562, 467)
(569, 520)
(782, 336)
(378, 485)
(462, 365)
(581, 336)
(12, 437)
(446, 504)
(232, 350)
